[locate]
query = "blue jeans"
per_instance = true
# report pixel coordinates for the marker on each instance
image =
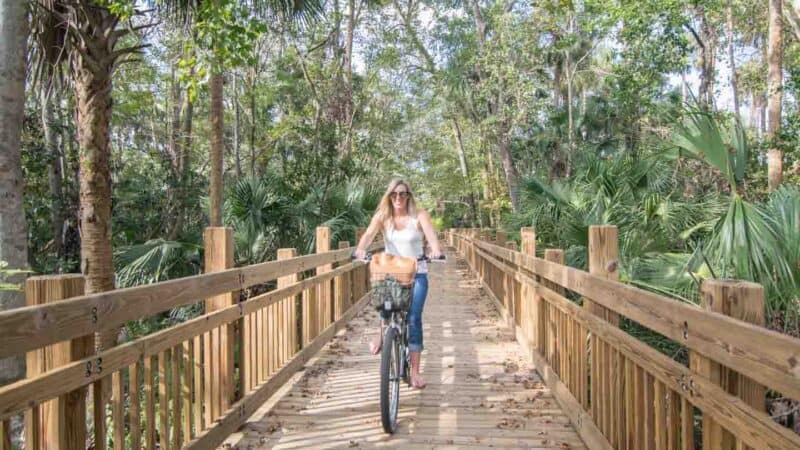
(415, 313)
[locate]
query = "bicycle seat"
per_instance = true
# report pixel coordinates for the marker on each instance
(400, 268)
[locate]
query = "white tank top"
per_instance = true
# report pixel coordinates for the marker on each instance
(407, 242)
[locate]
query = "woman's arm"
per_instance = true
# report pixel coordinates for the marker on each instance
(375, 225)
(430, 233)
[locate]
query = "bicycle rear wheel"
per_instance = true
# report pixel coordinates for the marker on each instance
(390, 380)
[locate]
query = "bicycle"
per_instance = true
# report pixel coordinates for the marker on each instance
(392, 295)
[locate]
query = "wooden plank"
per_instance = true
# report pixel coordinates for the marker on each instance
(260, 346)
(99, 415)
(660, 415)
(673, 420)
(603, 262)
(163, 401)
(134, 412)
(197, 363)
(769, 357)
(61, 422)
(340, 283)
(176, 402)
(744, 301)
(208, 397)
(219, 256)
(118, 409)
(244, 408)
(630, 405)
(687, 425)
(324, 298)
(216, 374)
(5, 435)
(248, 349)
(150, 404)
(618, 386)
(186, 390)
(283, 282)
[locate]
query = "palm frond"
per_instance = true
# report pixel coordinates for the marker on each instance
(156, 260)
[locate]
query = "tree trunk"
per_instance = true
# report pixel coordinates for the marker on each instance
(55, 176)
(216, 154)
(175, 125)
(557, 86)
(462, 159)
(706, 59)
(774, 91)
(347, 63)
(253, 125)
(184, 164)
(13, 229)
(236, 127)
(93, 103)
(732, 62)
(512, 177)
(570, 119)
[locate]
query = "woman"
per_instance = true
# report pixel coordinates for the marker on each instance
(403, 226)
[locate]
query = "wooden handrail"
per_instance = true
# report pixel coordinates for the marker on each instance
(769, 357)
(19, 395)
(171, 371)
(652, 396)
(32, 327)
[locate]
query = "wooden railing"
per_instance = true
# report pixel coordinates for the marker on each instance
(618, 391)
(186, 386)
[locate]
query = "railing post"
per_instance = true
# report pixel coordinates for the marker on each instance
(360, 275)
(324, 297)
(606, 382)
(603, 261)
(531, 303)
(744, 301)
(341, 289)
(290, 307)
(59, 423)
(219, 372)
(511, 289)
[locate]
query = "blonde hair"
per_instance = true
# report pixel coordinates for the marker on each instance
(385, 210)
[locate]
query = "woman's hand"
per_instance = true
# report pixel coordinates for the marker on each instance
(360, 253)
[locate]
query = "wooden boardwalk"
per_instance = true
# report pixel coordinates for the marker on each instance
(482, 389)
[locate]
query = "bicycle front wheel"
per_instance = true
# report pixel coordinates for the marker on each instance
(390, 379)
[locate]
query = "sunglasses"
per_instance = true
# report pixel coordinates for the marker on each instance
(403, 195)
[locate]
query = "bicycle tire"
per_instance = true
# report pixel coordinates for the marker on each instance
(390, 362)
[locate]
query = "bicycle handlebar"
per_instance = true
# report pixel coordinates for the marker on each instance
(425, 258)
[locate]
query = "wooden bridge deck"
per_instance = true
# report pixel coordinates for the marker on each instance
(482, 389)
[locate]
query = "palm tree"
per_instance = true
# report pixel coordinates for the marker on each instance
(750, 242)
(13, 229)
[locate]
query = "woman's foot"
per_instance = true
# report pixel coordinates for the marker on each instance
(417, 381)
(375, 345)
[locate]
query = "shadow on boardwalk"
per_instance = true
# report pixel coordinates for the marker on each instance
(482, 390)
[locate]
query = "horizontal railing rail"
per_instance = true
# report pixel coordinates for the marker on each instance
(32, 327)
(618, 391)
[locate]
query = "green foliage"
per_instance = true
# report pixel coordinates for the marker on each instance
(156, 260)
(6, 272)
(268, 214)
